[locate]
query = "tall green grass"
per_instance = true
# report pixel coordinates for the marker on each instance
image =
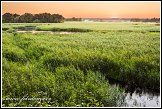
(73, 69)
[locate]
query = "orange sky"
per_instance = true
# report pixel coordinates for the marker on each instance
(87, 9)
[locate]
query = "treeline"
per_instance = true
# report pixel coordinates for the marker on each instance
(30, 18)
(73, 19)
(145, 20)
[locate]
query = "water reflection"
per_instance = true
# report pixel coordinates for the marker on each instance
(143, 99)
(137, 97)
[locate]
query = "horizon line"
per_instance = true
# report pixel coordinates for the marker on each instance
(90, 17)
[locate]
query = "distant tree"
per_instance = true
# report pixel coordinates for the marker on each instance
(43, 17)
(46, 17)
(38, 17)
(36, 21)
(57, 18)
(26, 18)
(7, 18)
(15, 15)
(73, 19)
(61, 19)
(16, 18)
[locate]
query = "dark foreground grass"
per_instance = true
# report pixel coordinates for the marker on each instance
(71, 69)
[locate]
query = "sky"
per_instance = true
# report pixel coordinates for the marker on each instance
(87, 9)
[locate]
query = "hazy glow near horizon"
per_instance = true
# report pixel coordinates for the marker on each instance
(87, 9)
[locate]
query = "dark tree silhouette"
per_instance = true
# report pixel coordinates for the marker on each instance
(30, 18)
(26, 18)
(7, 18)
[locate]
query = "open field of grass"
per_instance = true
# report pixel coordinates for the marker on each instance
(73, 69)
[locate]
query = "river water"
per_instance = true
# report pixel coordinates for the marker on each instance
(144, 99)
(137, 97)
(49, 32)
